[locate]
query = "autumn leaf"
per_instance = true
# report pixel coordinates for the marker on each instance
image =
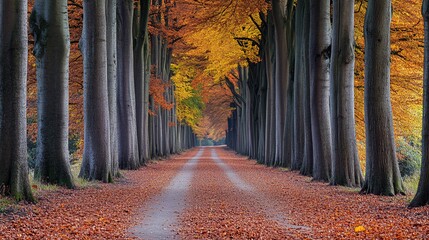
(360, 229)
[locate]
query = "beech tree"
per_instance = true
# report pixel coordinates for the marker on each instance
(96, 164)
(141, 68)
(282, 18)
(112, 80)
(382, 171)
(422, 196)
(320, 51)
(128, 146)
(300, 77)
(270, 128)
(13, 91)
(345, 162)
(307, 162)
(49, 26)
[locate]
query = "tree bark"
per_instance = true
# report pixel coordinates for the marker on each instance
(307, 163)
(13, 88)
(140, 78)
(320, 40)
(96, 164)
(382, 171)
(345, 162)
(112, 80)
(146, 133)
(288, 147)
(298, 95)
(270, 119)
(422, 195)
(128, 145)
(49, 25)
(281, 77)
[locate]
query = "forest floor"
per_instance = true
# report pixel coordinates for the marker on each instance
(212, 193)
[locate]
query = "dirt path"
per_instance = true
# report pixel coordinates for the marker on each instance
(161, 213)
(105, 211)
(224, 205)
(213, 193)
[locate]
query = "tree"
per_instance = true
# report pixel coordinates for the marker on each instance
(49, 25)
(141, 64)
(13, 88)
(282, 18)
(307, 162)
(270, 128)
(128, 148)
(422, 196)
(112, 84)
(320, 51)
(96, 164)
(345, 162)
(298, 88)
(382, 171)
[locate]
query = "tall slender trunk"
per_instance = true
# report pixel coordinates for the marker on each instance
(270, 119)
(146, 131)
(262, 101)
(382, 171)
(128, 146)
(298, 88)
(307, 163)
(281, 76)
(49, 25)
(112, 80)
(140, 77)
(345, 162)
(13, 89)
(320, 48)
(96, 164)
(422, 196)
(288, 136)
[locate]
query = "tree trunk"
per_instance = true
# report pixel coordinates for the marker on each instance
(13, 89)
(140, 77)
(128, 146)
(382, 171)
(422, 195)
(270, 119)
(307, 163)
(96, 163)
(112, 85)
(262, 109)
(146, 133)
(345, 162)
(288, 142)
(320, 49)
(281, 76)
(298, 88)
(49, 25)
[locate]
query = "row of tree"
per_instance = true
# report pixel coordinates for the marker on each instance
(295, 108)
(126, 122)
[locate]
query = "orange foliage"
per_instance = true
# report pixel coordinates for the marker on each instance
(157, 89)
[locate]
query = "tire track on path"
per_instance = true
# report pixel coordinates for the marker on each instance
(218, 208)
(271, 211)
(161, 213)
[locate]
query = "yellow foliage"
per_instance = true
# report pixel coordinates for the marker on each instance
(218, 36)
(406, 70)
(189, 105)
(222, 47)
